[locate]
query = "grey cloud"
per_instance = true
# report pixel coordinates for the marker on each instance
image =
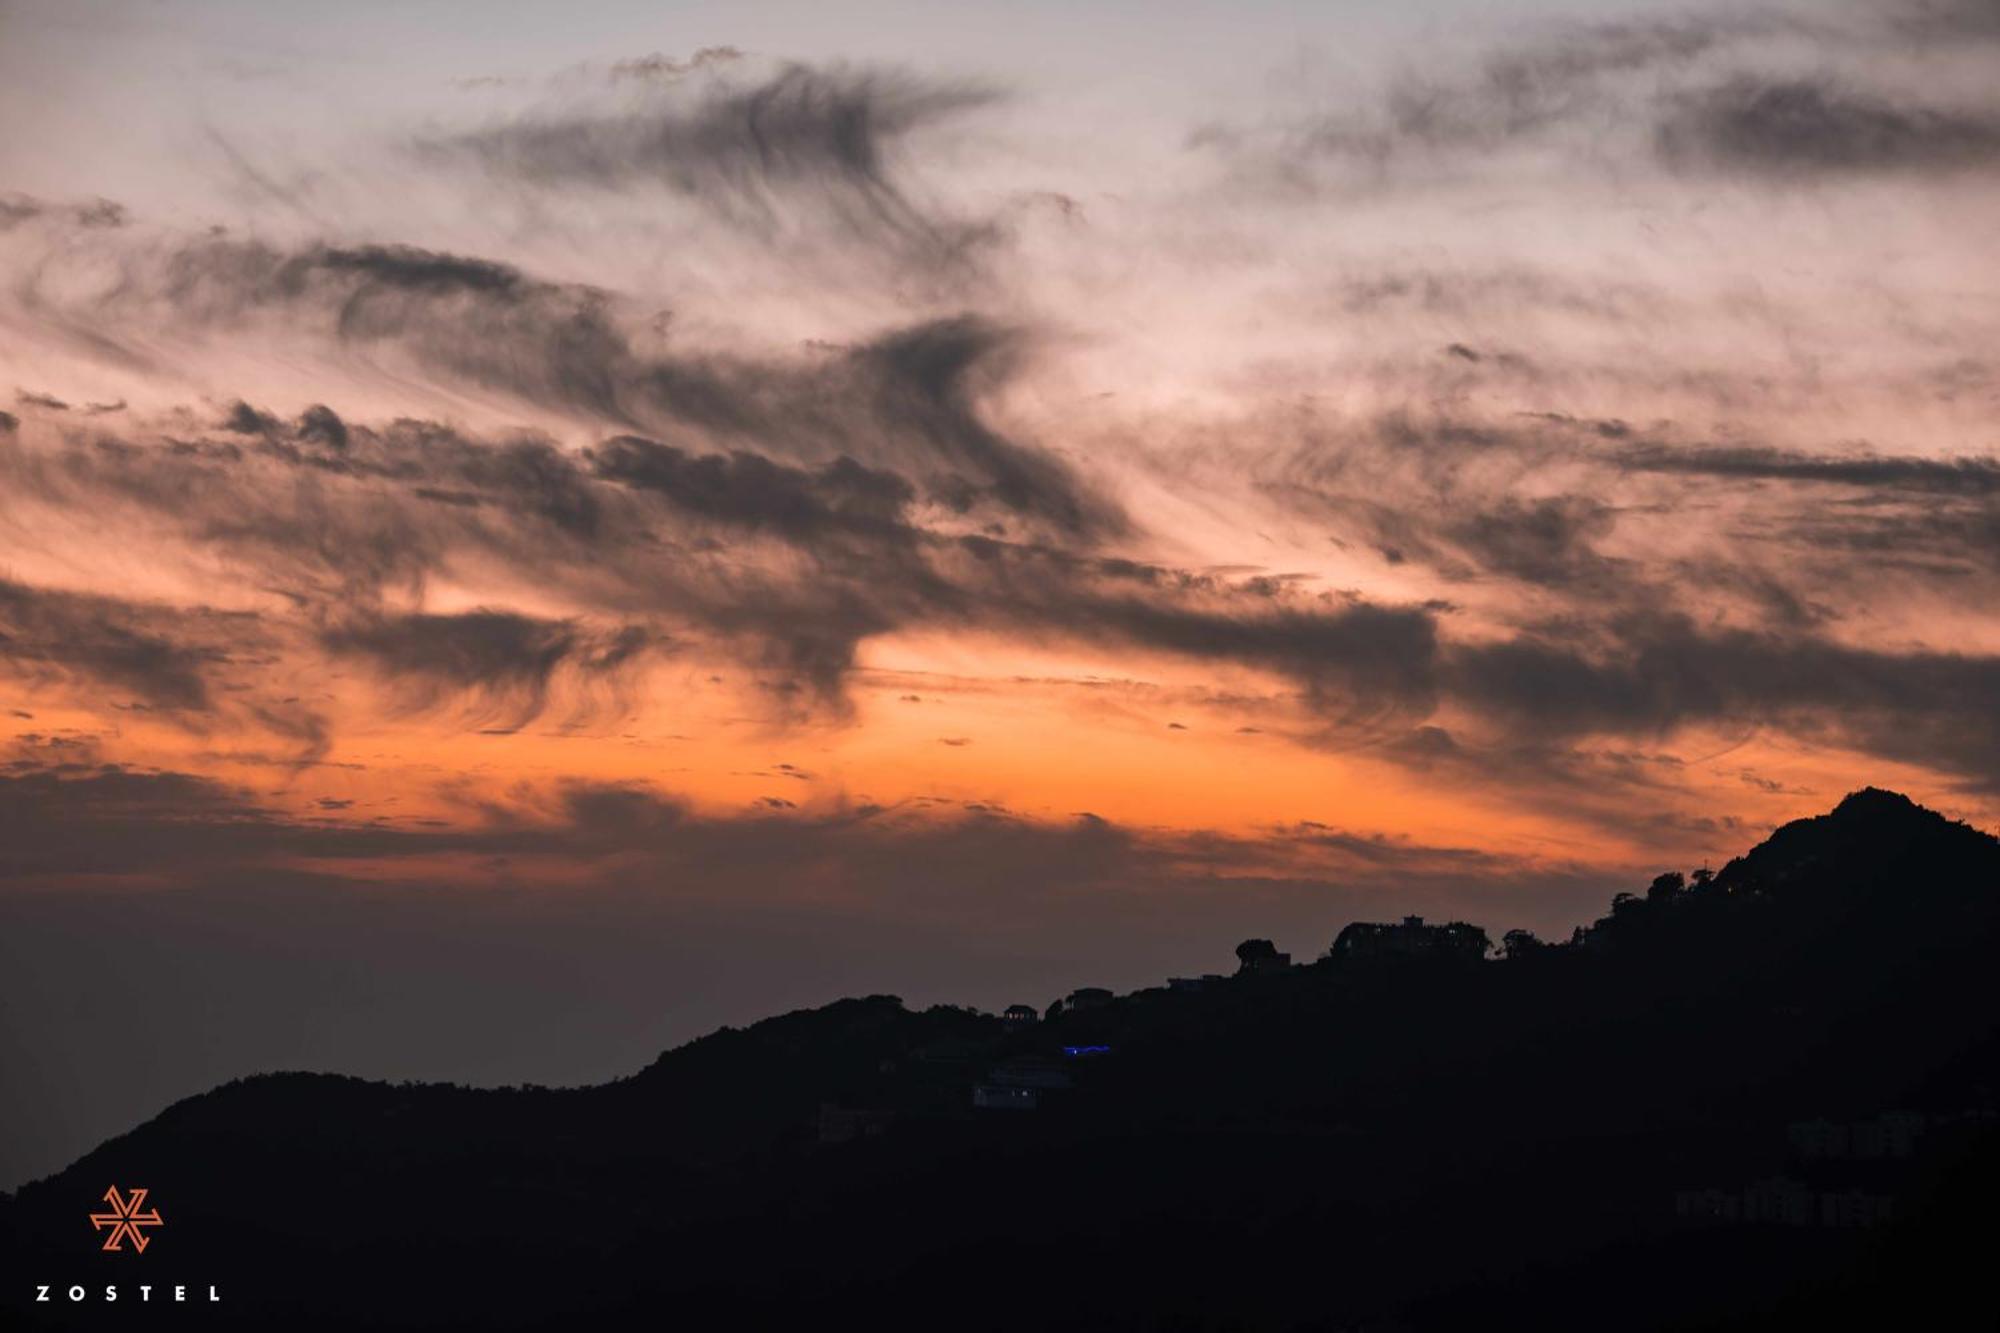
(925, 379)
(1469, 499)
(1362, 665)
(1713, 92)
(1365, 669)
(750, 490)
(539, 477)
(502, 662)
(689, 922)
(792, 568)
(1537, 85)
(96, 818)
(1464, 496)
(1651, 674)
(1399, 854)
(84, 819)
(629, 530)
(911, 398)
(406, 268)
(321, 425)
(1804, 126)
(104, 643)
(805, 140)
(1463, 292)
(658, 66)
(1616, 650)
(88, 818)
(197, 668)
(1968, 477)
(244, 419)
(1953, 21)
(1938, 545)
(16, 209)
(1564, 77)
(1546, 541)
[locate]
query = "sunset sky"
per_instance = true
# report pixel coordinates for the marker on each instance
(531, 530)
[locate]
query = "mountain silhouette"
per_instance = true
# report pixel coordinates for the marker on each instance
(1871, 834)
(1758, 1098)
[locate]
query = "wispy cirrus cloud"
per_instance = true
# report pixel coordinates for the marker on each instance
(911, 396)
(801, 146)
(1778, 94)
(152, 655)
(1442, 504)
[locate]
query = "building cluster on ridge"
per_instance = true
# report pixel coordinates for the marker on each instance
(1412, 937)
(1022, 1083)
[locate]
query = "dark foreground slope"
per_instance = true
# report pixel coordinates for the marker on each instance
(1676, 1121)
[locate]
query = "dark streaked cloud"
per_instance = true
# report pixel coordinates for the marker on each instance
(1401, 855)
(321, 425)
(1809, 127)
(805, 141)
(926, 381)
(793, 568)
(642, 533)
(661, 66)
(1561, 78)
(16, 209)
(88, 818)
(1570, 74)
(1954, 21)
(1647, 675)
(1970, 477)
(690, 922)
(1546, 541)
(747, 489)
(136, 652)
(1711, 91)
(1945, 550)
(503, 661)
(243, 419)
(791, 504)
(196, 668)
(912, 398)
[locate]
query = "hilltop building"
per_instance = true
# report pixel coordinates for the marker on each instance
(1020, 1016)
(1410, 938)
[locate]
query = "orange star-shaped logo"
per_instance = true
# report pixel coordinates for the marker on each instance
(125, 1219)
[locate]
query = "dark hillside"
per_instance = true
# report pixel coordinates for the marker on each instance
(1737, 1101)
